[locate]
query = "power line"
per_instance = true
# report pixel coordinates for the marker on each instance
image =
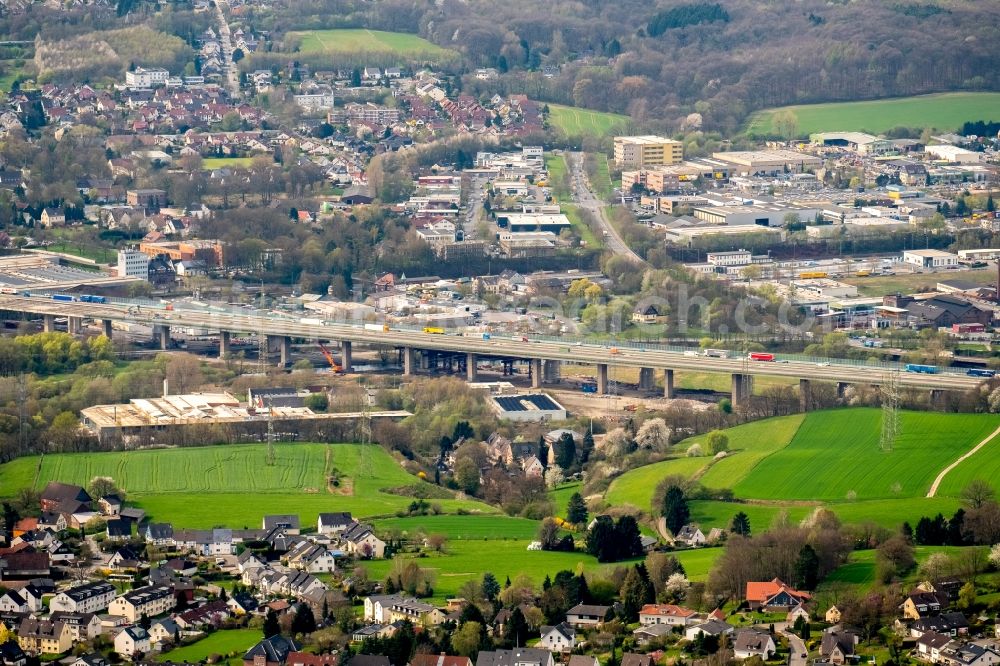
(889, 391)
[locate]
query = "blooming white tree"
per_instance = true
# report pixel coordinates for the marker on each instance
(653, 434)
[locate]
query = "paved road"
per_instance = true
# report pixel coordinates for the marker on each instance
(231, 70)
(586, 198)
(796, 644)
(626, 354)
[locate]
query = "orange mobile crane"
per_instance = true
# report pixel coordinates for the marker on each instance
(334, 366)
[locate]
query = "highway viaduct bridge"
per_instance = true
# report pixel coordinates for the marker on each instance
(542, 353)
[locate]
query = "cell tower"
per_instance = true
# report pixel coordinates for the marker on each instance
(364, 457)
(889, 391)
(270, 433)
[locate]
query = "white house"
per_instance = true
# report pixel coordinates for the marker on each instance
(667, 614)
(132, 640)
(86, 598)
(751, 642)
(12, 602)
(149, 601)
(558, 638)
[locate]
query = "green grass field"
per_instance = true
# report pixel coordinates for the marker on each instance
(944, 112)
(465, 561)
(232, 485)
(464, 527)
(360, 40)
(585, 233)
(984, 464)
(560, 496)
(636, 486)
(906, 283)
(837, 452)
(220, 162)
(556, 166)
(221, 642)
(574, 121)
(748, 445)
(602, 178)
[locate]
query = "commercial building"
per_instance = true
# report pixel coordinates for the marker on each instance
(522, 222)
(319, 101)
(149, 199)
(525, 244)
(209, 251)
(649, 150)
(764, 216)
(133, 263)
(954, 154)
(930, 258)
(146, 78)
(687, 236)
(735, 258)
(527, 407)
(858, 142)
(768, 162)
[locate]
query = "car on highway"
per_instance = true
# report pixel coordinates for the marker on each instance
(824, 364)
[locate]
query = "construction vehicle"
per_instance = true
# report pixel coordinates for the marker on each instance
(334, 366)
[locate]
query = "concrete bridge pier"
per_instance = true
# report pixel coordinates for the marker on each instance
(668, 384)
(225, 344)
(161, 336)
(535, 369)
(602, 378)
(937, 398)
(552, 371)
(805, 395)
(647, 379)
(74, 325)
(49, 323)
(742, 385)
(408, 362)
(106, 328)
(842, 390)
(345, 356)
(284, 345)
(471, 373)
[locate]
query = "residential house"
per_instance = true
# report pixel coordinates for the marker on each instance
(288, 522)
(586, 615)
(691, 535)
(82, 626)
(920, 604)
(516, 657)
(52, 520)
(44, 637)
(164, 631)
(92, 659)
(558, 638)
(11, 654)
(210, 613)
(35, 591)
(773, 595)
(798, 612)
(333, 523)
(833, 615)
(971, 654)
(22, 564)
(377, 606)
(952, 624)
(650, 632)
(931, 645)
(132, 641)
(241, 604)
(307, 556)
(837, 646)
(308, 659)
(119, 529)
(649, 314)
(667, 614)
(360, 540)
(53, 217)
(12, 602)
(160, 534)
(439, 660)
(65, 498)
(710, 627)
(417, 612)
(124, 559)
(111, 505)
(753, 643)
(583, 660)
(150, 601)
(271, 651)
(636, 659)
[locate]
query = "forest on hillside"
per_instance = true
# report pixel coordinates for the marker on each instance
(661, 62)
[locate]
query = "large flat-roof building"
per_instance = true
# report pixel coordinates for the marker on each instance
(858, 142)
(527, 407)
(648, 150)
(768, 162)
(761, 215)
(930, 258)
